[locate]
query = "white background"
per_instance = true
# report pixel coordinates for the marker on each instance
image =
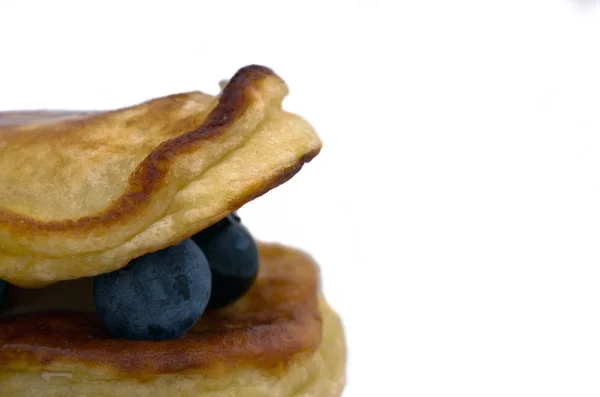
(455, 207)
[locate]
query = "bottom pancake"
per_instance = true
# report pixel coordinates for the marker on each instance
(281, 339)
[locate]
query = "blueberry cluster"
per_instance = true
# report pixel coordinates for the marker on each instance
(161, 295)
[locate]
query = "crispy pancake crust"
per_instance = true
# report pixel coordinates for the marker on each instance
(321, 374)
(150, 174)
(277, 322)
(83, 193)
(281, 339)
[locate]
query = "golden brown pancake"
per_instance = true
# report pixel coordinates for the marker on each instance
(281, 339)
(83, 193)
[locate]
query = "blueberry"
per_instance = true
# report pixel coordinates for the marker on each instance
(233, 259)
(3, 290)
(157, 296)
(234, 216)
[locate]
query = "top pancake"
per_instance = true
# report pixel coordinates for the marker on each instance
(83, 193)
(277, 321)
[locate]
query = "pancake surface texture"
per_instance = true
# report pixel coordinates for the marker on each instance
(281, 339)
(83, 193)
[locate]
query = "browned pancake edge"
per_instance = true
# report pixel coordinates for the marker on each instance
(151, 173)
(276, 323)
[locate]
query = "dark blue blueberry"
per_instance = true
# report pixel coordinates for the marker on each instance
(233, 259)
(157, 296)
(3, 290)
(234, 216)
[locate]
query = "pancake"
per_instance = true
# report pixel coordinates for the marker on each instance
(281, 339)
(82, 193)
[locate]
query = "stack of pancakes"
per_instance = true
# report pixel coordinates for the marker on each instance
(83, 193)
